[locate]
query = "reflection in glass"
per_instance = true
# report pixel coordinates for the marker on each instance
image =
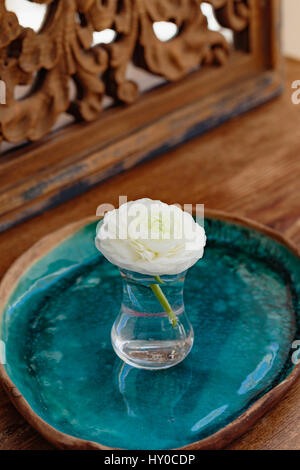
(153, 393)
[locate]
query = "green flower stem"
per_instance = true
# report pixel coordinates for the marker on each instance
(164, 301)
(158, 279)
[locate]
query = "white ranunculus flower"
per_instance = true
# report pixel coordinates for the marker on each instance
(151, 237)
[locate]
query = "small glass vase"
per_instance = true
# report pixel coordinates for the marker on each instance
(142, 334)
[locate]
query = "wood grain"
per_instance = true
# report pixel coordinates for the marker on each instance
(68, 77)
(249, 166)
(63, 51)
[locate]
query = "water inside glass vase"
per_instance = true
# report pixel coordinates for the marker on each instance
(143, 335)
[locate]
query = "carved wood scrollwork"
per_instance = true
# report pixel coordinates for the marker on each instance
(62, 51)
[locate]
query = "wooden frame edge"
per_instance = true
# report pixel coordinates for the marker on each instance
(71, 177)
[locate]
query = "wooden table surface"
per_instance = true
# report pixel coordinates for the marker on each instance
(250, 166)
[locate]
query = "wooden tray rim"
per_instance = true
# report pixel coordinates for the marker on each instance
(61, 440)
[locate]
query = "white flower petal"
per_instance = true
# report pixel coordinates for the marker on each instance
(151, 237)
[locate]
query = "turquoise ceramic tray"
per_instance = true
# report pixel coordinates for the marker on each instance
(58, 305)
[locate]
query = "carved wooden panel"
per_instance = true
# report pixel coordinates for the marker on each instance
(63, 51)
(65, 72)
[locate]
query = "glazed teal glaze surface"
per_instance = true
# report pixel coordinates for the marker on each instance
(242, 299)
